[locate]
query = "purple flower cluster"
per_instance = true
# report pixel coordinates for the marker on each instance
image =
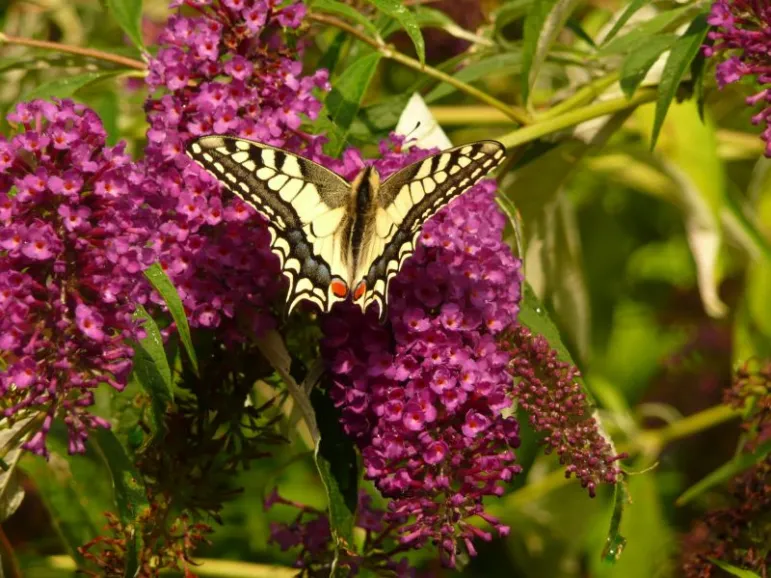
(743, 28)
(427, 398)
(310, 532)
(69, 257)
(223, 71)
(548, 391)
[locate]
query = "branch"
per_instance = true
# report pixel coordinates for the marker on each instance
(66, 48)
(514, 113)
(574, 117)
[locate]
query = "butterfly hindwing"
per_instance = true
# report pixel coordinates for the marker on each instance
(406, 200)
(305, 206)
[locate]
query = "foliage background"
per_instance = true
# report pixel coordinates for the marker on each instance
(653, 264)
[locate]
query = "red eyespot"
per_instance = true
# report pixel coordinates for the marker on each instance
(339, 288)
(360, 289)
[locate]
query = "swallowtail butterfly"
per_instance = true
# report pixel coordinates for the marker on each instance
(337, 239)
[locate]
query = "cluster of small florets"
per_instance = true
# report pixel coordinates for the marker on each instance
(70, 253)
(742, 28)
(426, 397)
(738, 534)
(310, 532)
(548, 391)
(751, 392)
(160, 551)
(223, 71)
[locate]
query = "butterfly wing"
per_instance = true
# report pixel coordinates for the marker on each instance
(405, 201)
(305, 204)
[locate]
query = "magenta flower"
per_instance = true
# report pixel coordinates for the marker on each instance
(742, 28)
(224, 70)
(59, 230)
(430, 424)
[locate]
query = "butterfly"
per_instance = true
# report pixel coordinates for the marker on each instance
(337, 239)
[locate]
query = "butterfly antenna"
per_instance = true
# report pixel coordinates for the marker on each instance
(407, 136)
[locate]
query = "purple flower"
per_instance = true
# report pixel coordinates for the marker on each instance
(224, 70)
(65, 338)
(742, 28)
(431, 427)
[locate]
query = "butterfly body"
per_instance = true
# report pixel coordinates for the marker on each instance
(336, 239)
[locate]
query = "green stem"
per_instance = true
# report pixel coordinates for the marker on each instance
(67, 49)
(689, 425)
(514, 113)
(572, 118)
(582, 96)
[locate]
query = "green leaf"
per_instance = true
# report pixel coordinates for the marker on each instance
(128, 14)
(65, 500)
(534, 316)
(699, 174)
(641, 33)
(67, 86)
(336, 461)
(506, 63)
(346, 11)
(542, 25)
(129, 492)
(508, 13)
(161, 282)
(630, 10)
(331, 57)
(615, 542)
(733, 570)
(638, 62)
(724, 473)
(399, 12)
(378, 119)
(151, 369)
(685, 49)
(575, 27)
(344, 100)
(11, 439)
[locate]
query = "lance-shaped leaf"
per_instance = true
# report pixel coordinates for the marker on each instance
(337, 463)
(344, 100)
(165, 288)
(679, 61)
(542, 25)
(406, 19)
(639, 62)
(11, 439)
(506, 63)
(128, 14)
(346, 11)
(66, 86)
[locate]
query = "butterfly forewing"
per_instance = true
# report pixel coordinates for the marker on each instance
(406, 201)
(305, 205)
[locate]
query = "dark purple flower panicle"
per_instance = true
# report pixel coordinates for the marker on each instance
(548, 391)
(310, 531)
(427, 397)
(742, 29)
(226, 70)
(69, 257)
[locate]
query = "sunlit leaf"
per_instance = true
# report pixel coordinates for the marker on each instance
(151, 369)
(542, 25)
(67, 85)
(11, 439)
(344, 100)
(399, 12)
(432, 18)
(346, 11)
(639, 35)
(128, 14)
(615, 542)
(165, 288)
(623, 18)
(638, 62)
(680, 58)
(506, 63)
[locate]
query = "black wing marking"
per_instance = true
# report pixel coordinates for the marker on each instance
(305, 204)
